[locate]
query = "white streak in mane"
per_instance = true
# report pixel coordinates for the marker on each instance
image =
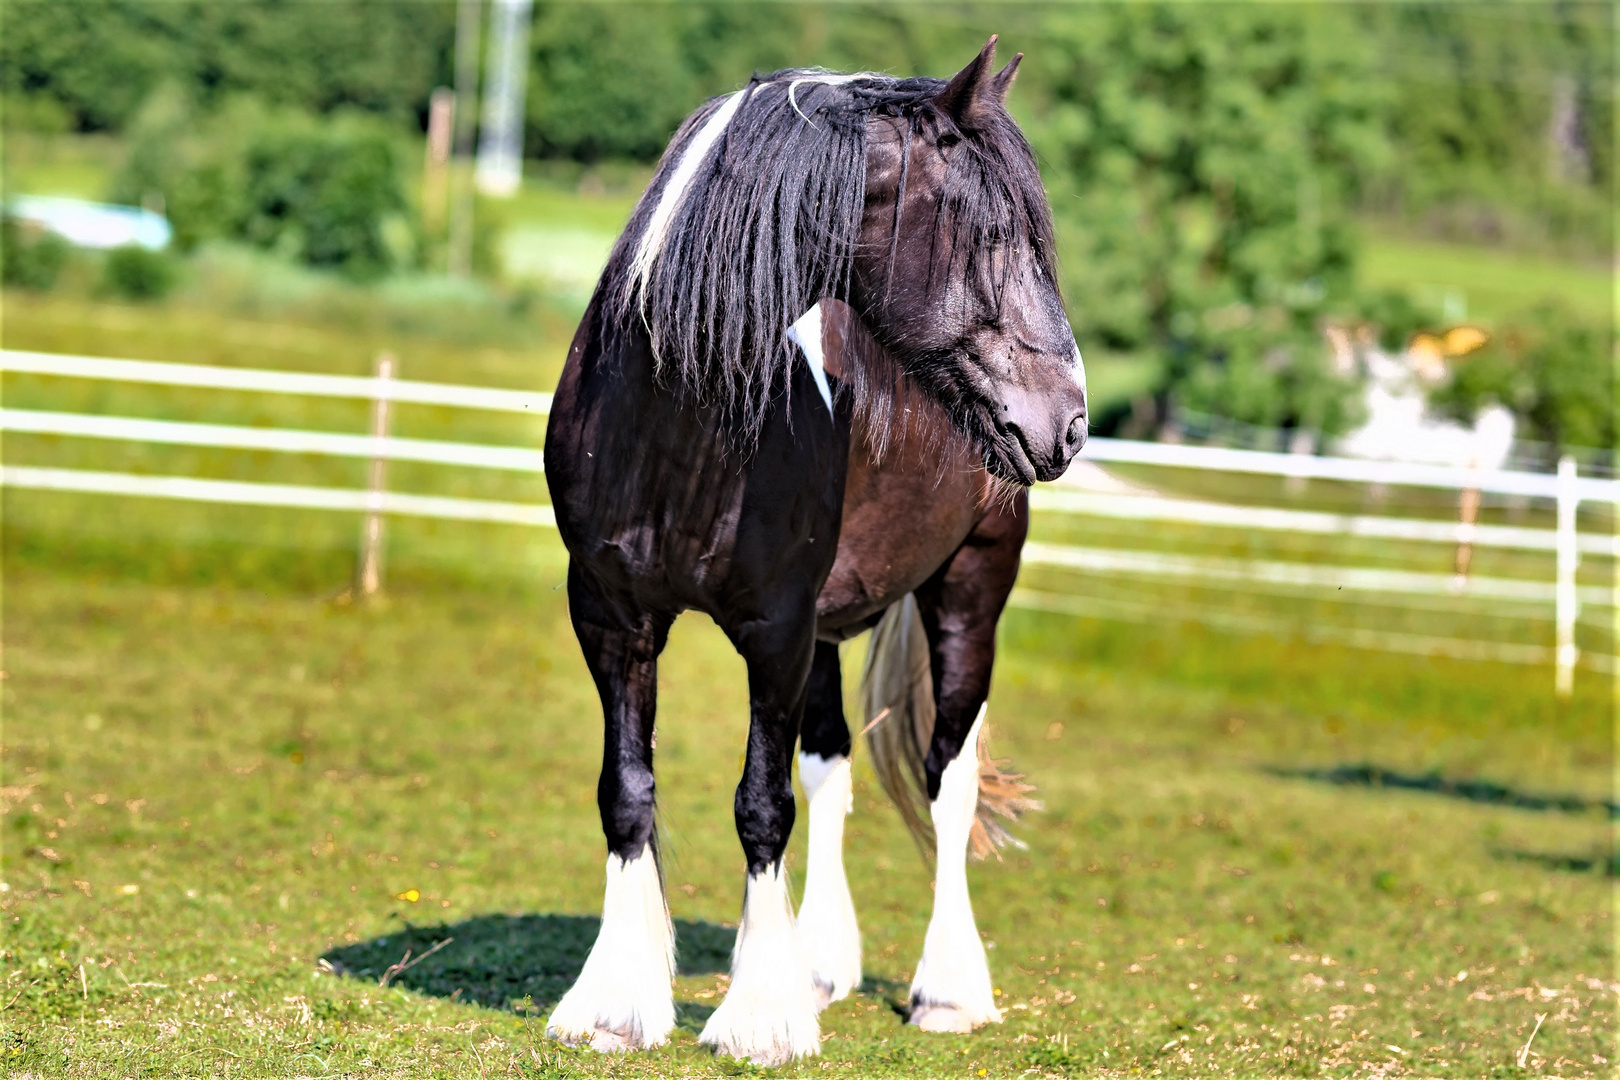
(827, 78)
(669, 200)
(692, 158)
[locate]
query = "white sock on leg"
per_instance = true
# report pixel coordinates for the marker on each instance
(623, 999)
(769, 1014)
(828, 933)
(952, 990)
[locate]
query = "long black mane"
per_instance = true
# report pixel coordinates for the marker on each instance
(769, 223)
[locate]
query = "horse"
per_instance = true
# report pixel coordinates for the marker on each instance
(822, 364)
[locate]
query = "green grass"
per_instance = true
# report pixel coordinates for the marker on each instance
(210, 787)
(79, 166)
(1493, 283)
(217, 772)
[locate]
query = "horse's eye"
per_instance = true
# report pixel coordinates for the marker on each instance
(948, 140)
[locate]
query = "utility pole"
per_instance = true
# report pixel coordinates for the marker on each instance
(500, 146)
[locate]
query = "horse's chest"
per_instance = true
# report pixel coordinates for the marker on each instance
(903, 519)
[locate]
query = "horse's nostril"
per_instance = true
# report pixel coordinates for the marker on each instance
(1075, 437)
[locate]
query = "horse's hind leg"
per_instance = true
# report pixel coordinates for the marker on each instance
(960, 607)
(623, 999)
(828, 933)
(769, 1013)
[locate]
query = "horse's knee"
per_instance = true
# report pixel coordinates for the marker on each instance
(628, 802)
(765, 811)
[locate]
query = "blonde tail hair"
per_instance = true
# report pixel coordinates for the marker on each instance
(897, 706)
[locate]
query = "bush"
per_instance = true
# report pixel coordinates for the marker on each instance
(321, 190)
(136, 273)
(1552, 369)
(324, 190)
(1264, 369)
(32, 258)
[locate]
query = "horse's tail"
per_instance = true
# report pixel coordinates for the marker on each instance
(897, 707)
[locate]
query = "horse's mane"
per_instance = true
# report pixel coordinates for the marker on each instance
(755, 212)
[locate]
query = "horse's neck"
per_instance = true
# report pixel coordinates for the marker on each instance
(896, 425)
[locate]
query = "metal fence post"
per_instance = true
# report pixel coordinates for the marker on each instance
(371, 537)
(1566, 601)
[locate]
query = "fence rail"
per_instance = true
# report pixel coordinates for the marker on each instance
(275, 382)
(226, 436)
(1376, 585)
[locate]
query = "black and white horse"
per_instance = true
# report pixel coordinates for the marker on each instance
(824, 361)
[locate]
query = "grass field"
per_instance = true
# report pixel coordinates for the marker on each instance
(218, 772)
(1258, 857)
(211, 788)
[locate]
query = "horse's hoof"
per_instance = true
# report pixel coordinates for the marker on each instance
(611, 1042)
(948, 1019)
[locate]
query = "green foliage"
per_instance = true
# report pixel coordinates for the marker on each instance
(30, 257)
(1264, 376)
(102, 58)
(322, 189)
(133, 272)
(1202, 158)
(1503, 119)
(177, 159)
(1199, 159)
(319, 189)
(1395, 316)
(608, 83)
(1551, 368)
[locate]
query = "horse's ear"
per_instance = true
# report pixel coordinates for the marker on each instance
(1002, 83)
(976, 90)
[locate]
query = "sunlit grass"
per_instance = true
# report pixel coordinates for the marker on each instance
(1493, 283)
(210, 787)
(219, 770)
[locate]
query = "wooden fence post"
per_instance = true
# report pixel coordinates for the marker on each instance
(1467, 531)
(1566, 601)
(436, 168)
(372, 535)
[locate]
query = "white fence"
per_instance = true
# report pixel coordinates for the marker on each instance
(1566, 490)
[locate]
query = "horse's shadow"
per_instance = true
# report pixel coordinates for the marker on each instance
(520, 963)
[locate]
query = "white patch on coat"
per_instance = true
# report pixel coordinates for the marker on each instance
(669, 200)
(1079, 373)
(623, 999)
(952, 991)
(769, 1014)
(806, 334)
(829, 936)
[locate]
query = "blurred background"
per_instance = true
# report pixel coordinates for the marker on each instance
(1225, 178)
(1375, 230)
(1382, 232)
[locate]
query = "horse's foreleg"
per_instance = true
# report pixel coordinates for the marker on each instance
(769, 1013)
(623, 998)
(960, 607)
(828, 933)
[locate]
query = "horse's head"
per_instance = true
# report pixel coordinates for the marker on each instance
(917, 201)
(954, 273)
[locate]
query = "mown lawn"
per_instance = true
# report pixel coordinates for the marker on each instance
(218, 772)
